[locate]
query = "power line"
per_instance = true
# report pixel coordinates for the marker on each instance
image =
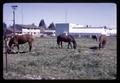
(66, 16)
(22, 13)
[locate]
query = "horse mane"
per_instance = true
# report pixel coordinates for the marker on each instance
(73, 39)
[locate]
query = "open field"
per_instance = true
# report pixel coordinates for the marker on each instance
(46, 61)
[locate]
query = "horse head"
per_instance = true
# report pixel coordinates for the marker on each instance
(8, 49)
(73, 41)
(74, 44)
(11, 44)
(102, 41)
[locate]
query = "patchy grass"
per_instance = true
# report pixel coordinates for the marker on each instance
(47, 61)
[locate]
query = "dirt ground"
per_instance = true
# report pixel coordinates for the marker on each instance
(47, 61)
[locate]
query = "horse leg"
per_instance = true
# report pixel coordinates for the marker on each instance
(99, 46)
(58, 43)
(71, 45)
(12, 47)
(103, 44)
(61, 45)
(96, 38)
(68, 44)
(18, 48)
(30, 46)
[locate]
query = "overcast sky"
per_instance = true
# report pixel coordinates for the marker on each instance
(94, 14)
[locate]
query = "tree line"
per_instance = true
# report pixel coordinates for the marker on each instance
(42, 25)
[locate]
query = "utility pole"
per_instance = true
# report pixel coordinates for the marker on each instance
(14, 7)
(66, 16)
(5, 44)
(22, 14)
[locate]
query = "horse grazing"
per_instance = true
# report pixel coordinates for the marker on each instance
(20, 39)
(94, 37)
(66, 38)
(102, 41)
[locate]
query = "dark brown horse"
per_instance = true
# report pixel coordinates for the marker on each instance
(66, 38)
(102, 41)
(94, 37)
(20, 39)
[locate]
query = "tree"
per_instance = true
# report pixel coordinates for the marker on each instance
(4, 30)
(4, 27)
(42, 24)
(51, 26)
(105, 27)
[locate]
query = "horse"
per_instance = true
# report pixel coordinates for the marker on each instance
(66, 38)
(16, 40)
(102, 41)
(94, 37)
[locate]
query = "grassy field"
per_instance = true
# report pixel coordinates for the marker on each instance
(47, 61)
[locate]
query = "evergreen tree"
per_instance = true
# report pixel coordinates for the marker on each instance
(42, 24)
(51, 26)
(105, 27)
(4, 27)
(4, 30)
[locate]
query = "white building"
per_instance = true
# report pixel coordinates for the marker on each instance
(31, 29)
(34, 32)
(112, 32)
(50, 32)
(80, 30)
(25, 29)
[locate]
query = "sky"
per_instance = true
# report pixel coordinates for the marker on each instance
(93, 14)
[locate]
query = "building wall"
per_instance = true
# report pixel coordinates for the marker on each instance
(62, 27)
(83, 30)
(80, 30)
(112, 32)
(34, 32)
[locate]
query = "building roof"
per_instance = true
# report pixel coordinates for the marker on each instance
(28, 26)
(19, 27)
(79, 26)
(88, 27)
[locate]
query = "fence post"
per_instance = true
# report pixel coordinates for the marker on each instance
(6, 52)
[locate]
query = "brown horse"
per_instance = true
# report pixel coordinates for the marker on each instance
(20, 39)
(102, 41)
(66, 38)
